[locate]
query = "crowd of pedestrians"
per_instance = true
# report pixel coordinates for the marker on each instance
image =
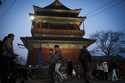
(56, 62)
(102, 72)
(106, 71)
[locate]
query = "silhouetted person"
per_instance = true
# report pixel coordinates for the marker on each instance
(57, 69)
(85, 59)
(69, 68)
(8, 57)
(3, 63)
(57, 53)
(24, 74)
(105, 69)
(58, 61)
(52, 65)
(114, 69)
(1, 57)
(54, 56)
(100, 71)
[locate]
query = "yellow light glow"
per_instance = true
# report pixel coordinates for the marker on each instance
(32, 17)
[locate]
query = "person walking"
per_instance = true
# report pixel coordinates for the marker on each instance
(85, 59)
(57, 70)
(58, 61)
(8, 57)
(114, 71)
(100, 71)
(52, 65)
(57, 53)
(105, 69)
(69, 68)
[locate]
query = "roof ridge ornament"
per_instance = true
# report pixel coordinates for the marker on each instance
(56, 0)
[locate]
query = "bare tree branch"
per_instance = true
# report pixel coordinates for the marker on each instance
(107, 42)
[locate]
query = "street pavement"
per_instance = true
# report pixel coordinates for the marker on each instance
(77, 81)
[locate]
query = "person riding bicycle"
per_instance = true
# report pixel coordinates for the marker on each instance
(58, 60)
(58, 68)
(54, 57)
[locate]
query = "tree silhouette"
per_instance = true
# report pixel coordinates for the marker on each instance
(107, 43)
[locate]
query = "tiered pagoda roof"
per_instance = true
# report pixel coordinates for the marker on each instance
(56, 20)
(63, 40)
(56, 9)
(57, 5)
(55, 23)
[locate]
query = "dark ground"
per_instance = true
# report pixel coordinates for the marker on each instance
(77, 81)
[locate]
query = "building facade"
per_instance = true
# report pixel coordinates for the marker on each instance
(52, 25)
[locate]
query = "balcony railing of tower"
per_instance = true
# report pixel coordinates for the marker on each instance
(56, 26)
(57, 17)
(52, 13)
(57, 32)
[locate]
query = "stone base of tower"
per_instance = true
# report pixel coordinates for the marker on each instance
(38, 48)
(69, 51)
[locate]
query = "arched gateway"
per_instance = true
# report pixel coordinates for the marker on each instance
(55, 24)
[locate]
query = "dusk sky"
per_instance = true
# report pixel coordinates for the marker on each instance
(101, 15)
